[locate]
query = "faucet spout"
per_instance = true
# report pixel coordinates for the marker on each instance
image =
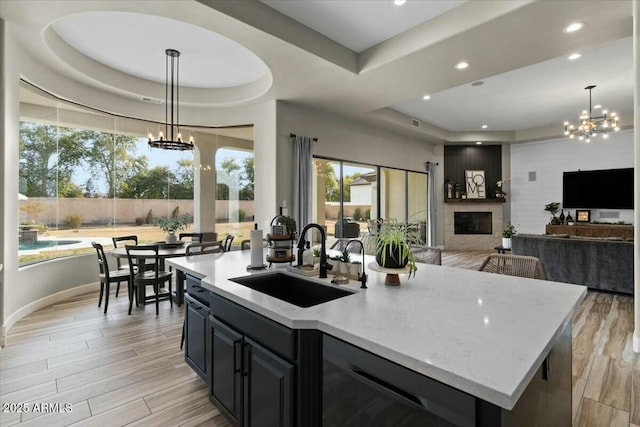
(363, 275)
(323, 249)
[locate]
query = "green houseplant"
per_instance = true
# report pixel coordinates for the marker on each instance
(552, 208)
(288, 222)
(171, 225)
(507, 233)
(393, 244)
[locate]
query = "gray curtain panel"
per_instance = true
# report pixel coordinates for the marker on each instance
(302, 180)
(431, 204)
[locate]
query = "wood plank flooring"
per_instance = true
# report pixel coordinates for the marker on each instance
(118, 370)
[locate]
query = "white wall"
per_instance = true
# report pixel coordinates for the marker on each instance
(361, 195)
(549, 159)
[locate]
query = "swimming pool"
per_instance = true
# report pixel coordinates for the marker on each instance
(45, 244)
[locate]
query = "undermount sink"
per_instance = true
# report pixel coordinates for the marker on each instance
(294, 290)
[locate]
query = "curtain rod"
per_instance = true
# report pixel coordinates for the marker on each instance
(293, 135)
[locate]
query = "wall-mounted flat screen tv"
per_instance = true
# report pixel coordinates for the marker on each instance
(598, 189)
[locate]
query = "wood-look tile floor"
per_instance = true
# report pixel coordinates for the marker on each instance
(117, 370)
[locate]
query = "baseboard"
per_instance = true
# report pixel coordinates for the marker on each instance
(44, 302)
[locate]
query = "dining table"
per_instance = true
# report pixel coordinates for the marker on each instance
(165, 250)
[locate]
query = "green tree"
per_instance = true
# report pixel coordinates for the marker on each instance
(148, 184)
(331, 184)
(346, 183)
(48, 157)
(242, 176)
(108, 156)
(182, 187)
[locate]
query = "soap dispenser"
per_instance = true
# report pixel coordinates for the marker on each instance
(307, 255)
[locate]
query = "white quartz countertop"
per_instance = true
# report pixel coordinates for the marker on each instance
(482, 333)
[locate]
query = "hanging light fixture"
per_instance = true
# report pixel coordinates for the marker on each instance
(591, 126)
(172, 138)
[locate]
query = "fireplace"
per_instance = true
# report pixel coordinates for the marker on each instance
(472, 223)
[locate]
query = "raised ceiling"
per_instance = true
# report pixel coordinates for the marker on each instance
(367, 60)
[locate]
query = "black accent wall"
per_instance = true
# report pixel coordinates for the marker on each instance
(460, 158)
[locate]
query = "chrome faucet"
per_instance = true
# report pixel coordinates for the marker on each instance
(323, 248)
(363, 275)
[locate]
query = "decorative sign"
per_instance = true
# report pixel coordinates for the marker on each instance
(475, 184)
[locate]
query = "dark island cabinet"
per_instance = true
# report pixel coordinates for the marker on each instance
(262, 374)
(196, 315)
(226, 368)
(268, 388)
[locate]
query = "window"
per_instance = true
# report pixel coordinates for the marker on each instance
(86, 175)
(347, 193)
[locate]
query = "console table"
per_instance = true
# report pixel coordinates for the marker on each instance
(597, 263)
(592, 230)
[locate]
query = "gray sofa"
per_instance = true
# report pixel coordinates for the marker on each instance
(597, 263)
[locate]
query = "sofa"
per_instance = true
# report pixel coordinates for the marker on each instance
(598, 263)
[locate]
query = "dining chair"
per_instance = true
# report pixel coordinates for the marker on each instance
(515, 265)
(154, 276)
(195, 237)
(203, 248)
(427, 254)
(132, 240)
(227, 242)
(107, 276)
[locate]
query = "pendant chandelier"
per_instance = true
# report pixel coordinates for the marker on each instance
(591, 126)
(173, 139)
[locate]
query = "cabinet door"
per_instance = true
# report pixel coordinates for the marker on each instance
(268, 388)
(195, 353)
(226, 361)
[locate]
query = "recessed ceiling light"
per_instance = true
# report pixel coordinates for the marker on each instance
(426, 97)
(461, 65)
(484, 126)
(597, 106)
(573, 27)
(574, 56)
(478, 142)
(399, 2)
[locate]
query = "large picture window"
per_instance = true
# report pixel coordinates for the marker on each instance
(348, 197)
(85, 175)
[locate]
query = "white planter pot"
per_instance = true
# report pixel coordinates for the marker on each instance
(506, 242)
(171, 237)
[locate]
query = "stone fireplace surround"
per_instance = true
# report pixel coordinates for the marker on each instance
(472, 242)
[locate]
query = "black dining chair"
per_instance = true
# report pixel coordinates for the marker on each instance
(194, 237)
(131, 240)
(152, 275)
(227, 242)
(107, 276)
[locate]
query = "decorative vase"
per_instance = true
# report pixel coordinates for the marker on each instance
(506, 242)
(171, 237)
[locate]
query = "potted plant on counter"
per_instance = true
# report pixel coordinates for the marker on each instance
(393, 244)
(507, 233)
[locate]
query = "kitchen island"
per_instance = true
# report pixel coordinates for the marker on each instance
(487, 337)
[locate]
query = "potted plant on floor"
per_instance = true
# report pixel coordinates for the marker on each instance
(393, 244)
(507, 233)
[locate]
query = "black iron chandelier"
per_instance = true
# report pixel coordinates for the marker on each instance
(591, 126)
(173, 139)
